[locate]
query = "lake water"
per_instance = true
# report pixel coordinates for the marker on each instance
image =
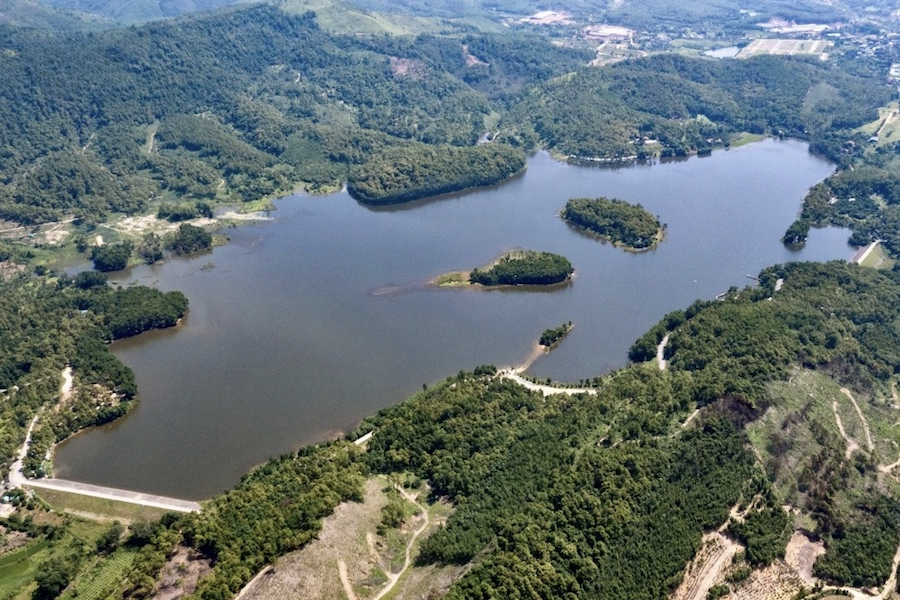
(729, 52)
(307, 323)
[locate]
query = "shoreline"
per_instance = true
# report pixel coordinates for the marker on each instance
(740, 139)
(398, 397)
(468, 285)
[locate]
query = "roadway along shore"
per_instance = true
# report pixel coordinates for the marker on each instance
(96, 491)
(546, 390)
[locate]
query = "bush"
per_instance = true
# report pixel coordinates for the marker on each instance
(112, 257)
(188, 239)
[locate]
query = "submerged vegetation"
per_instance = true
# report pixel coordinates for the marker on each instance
(615, 221)
(524, 267)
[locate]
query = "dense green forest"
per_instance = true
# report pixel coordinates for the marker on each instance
(525, 267)
(615, 221)
(115, 121)
(122, 121)
(865, 200)
(588, 496)
(414, 172)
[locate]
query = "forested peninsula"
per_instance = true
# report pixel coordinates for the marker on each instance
(49, 325)
(420, 172)
(615, 221)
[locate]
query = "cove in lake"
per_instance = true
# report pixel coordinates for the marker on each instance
(288, 343)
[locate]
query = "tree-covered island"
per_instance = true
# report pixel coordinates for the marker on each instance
(419, 171)
(616, 221)
(552, 337)
(519, 267)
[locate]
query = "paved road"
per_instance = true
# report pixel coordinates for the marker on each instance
(86, 489)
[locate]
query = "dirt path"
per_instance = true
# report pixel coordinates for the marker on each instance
(885, 123)
(65, 391)
(661, 352)
(547, 390)
(890, 467)
(393, 578)
(151, 138)
(863, 253)
(365, 438)
(345, 580)
(852, 446)
(697, 586)
(690, 418)
(88, 145)
(16, 478)
(862, 419)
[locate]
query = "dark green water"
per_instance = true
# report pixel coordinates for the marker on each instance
(307, 323)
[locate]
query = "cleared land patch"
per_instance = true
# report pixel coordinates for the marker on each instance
(784, 47)
(349, 537)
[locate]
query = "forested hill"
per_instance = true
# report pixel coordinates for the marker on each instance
(674, 106)
(236, 105)
(246, 103)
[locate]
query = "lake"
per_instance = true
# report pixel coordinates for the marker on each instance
(304, 324)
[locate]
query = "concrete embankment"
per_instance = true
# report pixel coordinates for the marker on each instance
(96, 491)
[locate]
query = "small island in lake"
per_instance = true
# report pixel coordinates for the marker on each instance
(519, 267)
(418, 171)
(552, 337)
(616, 221)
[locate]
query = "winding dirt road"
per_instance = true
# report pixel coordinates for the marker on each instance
(862, 419)
(393, 578)
(852, 446)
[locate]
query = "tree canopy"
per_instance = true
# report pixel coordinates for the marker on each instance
(525, 268)
(615, 221)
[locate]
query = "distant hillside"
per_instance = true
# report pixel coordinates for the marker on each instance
(137, 11)
(32, 15)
